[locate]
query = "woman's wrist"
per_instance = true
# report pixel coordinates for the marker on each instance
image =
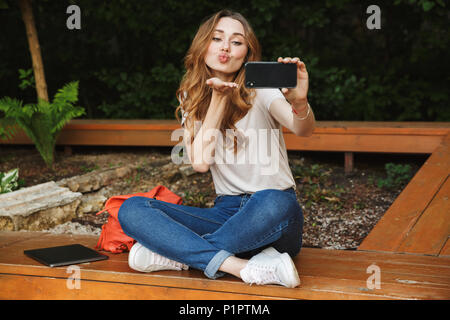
(218, 100)
(216, 94)
(300, 105)
(301, 109)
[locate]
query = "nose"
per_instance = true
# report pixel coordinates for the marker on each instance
(225, 46)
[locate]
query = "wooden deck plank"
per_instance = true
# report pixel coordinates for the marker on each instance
(445, 252)
(395, 225)
(325, 274)
(57, 289)
(350, 127)
(430, 233)
(346, 136)
(313, 265)
(10, 238)
(363, 143)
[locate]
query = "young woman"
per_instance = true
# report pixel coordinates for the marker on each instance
(255, 214)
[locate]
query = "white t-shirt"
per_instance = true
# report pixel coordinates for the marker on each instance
(261, 161)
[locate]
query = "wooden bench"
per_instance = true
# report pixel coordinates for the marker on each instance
(324, 274)
(338, 136)
(419, 219)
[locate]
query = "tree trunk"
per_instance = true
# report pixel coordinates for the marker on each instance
(35, 50)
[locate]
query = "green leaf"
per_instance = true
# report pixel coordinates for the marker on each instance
(8, 128)
(427, 5)
(8, 181)
(66, 95)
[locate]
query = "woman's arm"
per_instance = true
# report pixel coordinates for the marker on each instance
(301, 124)
(201, 150)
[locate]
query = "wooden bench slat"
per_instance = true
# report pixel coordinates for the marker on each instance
(324, 127)
(325, 274)
(22, 287)
(363, 143)
(346, 136)
(405, 127)
(392, 274)
(445, 252)
(429, 234)
(317, 142)
(435, 263)
(400, 218)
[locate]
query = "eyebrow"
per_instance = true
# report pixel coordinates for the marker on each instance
(235, 33)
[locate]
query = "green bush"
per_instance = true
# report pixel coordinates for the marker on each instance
(140, 94)
(396, 176)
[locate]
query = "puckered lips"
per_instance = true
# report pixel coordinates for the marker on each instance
(224, 58)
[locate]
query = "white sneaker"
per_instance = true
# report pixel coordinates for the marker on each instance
(144, 260)
(271, 267)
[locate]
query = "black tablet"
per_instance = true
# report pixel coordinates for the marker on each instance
(65, 255)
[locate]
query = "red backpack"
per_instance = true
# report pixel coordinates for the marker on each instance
(112, 237)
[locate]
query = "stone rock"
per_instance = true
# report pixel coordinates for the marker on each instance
(38, 207)
(49, 204)
(97, 179)
(170, 172)
(187, 170)
(91, 203)
(48, 218)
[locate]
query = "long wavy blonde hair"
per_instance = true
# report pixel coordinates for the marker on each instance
(194, 95)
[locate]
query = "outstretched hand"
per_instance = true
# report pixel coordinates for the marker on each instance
(221, 86)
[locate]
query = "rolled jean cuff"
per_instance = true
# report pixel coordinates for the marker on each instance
(215, 263)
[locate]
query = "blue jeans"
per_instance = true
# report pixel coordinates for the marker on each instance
(203, 238)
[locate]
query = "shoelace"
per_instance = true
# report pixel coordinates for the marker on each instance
(261, 274)
(163, 261)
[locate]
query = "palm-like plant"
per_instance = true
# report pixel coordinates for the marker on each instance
(42, 122)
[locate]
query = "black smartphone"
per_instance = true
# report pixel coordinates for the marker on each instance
(265, 74)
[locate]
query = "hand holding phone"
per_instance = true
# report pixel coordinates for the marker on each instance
(263, 74)
(298, 95)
